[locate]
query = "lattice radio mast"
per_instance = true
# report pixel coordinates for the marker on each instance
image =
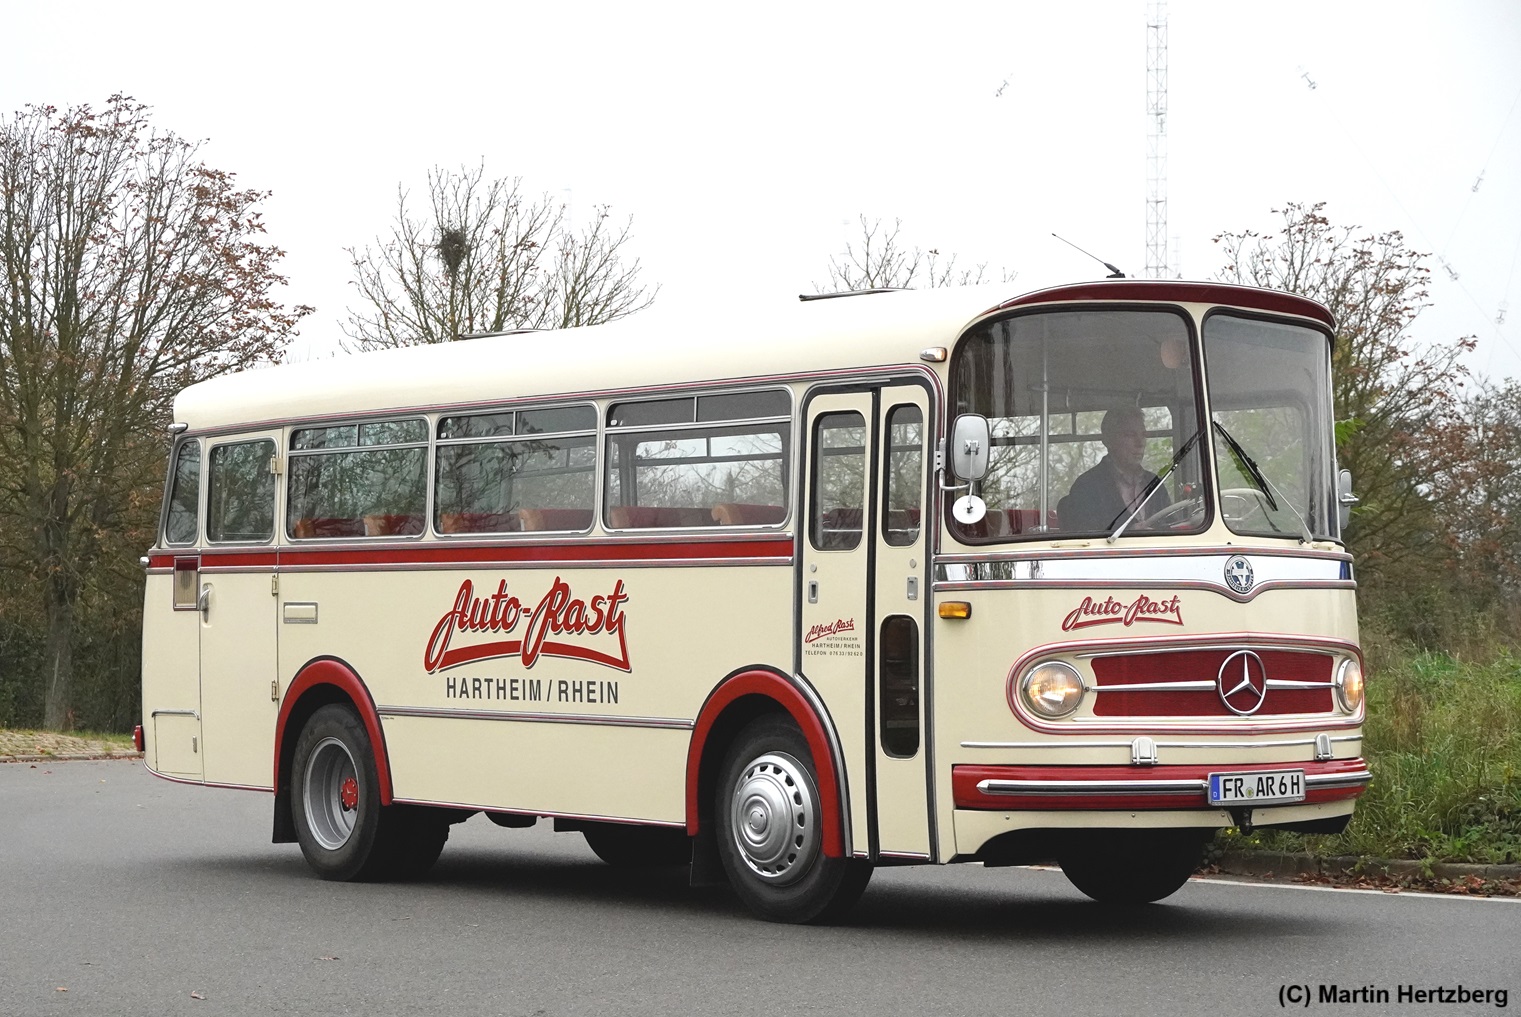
(1157, 265)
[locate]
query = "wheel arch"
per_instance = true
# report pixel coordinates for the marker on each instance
(322, 681)
(740, 698)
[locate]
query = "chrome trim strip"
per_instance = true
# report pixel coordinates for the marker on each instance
(1294, 743)
(1091, 548)
(1189, 686)
(1201, 686)
(546, 815)
(1335, 780)
(1148, 584)
(592, 719)
(176, 713)
(1146, 787)
(1092, 787)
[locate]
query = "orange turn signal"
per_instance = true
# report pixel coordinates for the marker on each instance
(955, 609)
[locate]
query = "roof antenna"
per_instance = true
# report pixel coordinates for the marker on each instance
(1114, 273)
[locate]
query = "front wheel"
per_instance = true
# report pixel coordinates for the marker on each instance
(1133, 866)
(770, 830)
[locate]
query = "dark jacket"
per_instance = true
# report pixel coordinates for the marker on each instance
(1094, 503)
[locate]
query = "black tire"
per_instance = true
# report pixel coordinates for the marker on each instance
(344, 831)
(1131, 867)
(417, 838)
(638, 846)
(769, 779)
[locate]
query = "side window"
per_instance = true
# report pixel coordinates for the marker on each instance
(898, 693)
(516, 470)
(719, 460)
(904, 481)
(358, 480)
(839, 481)
(184, 495)
(240, 493)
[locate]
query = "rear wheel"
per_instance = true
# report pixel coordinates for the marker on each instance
(344, 831)
(770, 830)
(1133, 866)
(638, 846)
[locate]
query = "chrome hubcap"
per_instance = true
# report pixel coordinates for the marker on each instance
(331, 794)
(774, 816)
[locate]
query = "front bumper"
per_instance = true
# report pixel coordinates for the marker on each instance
(1108, 788)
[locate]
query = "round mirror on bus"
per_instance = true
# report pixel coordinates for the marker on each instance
(969, 509)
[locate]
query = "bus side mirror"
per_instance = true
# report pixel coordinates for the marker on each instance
(970, 445)
(1345, 499)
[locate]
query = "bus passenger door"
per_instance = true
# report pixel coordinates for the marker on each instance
(238, 631)
(899, 584)
(862, 603)
(834, 641)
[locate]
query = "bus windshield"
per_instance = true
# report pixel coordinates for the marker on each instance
(1269, 396)
(1095, 420)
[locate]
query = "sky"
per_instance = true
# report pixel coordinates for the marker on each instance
(746, 141)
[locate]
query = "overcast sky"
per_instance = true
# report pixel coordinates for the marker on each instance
(746, 139)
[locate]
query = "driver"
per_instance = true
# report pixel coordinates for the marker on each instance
(1101, 498)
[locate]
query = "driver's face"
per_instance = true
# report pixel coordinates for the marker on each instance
(1127, 442)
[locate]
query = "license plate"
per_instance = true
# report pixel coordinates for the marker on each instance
(1257, 787)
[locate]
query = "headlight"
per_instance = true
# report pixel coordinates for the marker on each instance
(1349, 686)
(1052, 689)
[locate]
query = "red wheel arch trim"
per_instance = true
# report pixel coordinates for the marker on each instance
(340, 676)
(786, 695)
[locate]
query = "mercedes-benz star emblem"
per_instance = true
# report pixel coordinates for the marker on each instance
(1242, 683)
(1238, 574)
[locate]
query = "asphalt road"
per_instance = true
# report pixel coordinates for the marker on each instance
(138, 896)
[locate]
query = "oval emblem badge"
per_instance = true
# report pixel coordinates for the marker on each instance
(1238, 574)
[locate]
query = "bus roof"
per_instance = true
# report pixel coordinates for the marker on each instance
(746, 341)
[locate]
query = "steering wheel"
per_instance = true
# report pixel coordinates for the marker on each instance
(1187, 513)
(1245, 505)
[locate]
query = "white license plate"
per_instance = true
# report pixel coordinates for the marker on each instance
(1256, 787)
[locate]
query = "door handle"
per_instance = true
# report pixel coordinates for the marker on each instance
(203, 602)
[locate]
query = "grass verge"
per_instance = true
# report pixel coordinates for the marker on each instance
(29, 744)
(1443, 740)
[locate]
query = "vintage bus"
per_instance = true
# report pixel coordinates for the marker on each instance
(782, 593)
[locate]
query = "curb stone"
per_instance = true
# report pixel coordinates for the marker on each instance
(64, 757)
(1281, 863)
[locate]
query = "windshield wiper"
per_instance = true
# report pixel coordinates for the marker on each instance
(1156, 482)
(1266, 486)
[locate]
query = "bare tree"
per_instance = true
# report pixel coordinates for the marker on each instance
(484, 258)
(878, 259)
(128, 269)
(1399, 402)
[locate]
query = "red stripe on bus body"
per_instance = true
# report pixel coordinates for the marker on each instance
(778, 549)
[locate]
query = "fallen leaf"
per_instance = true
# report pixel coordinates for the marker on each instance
(60, 989)
(197, 995)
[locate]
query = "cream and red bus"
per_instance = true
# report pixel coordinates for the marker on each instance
(782, 594)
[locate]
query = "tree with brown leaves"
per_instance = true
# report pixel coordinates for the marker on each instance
(128, 269)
